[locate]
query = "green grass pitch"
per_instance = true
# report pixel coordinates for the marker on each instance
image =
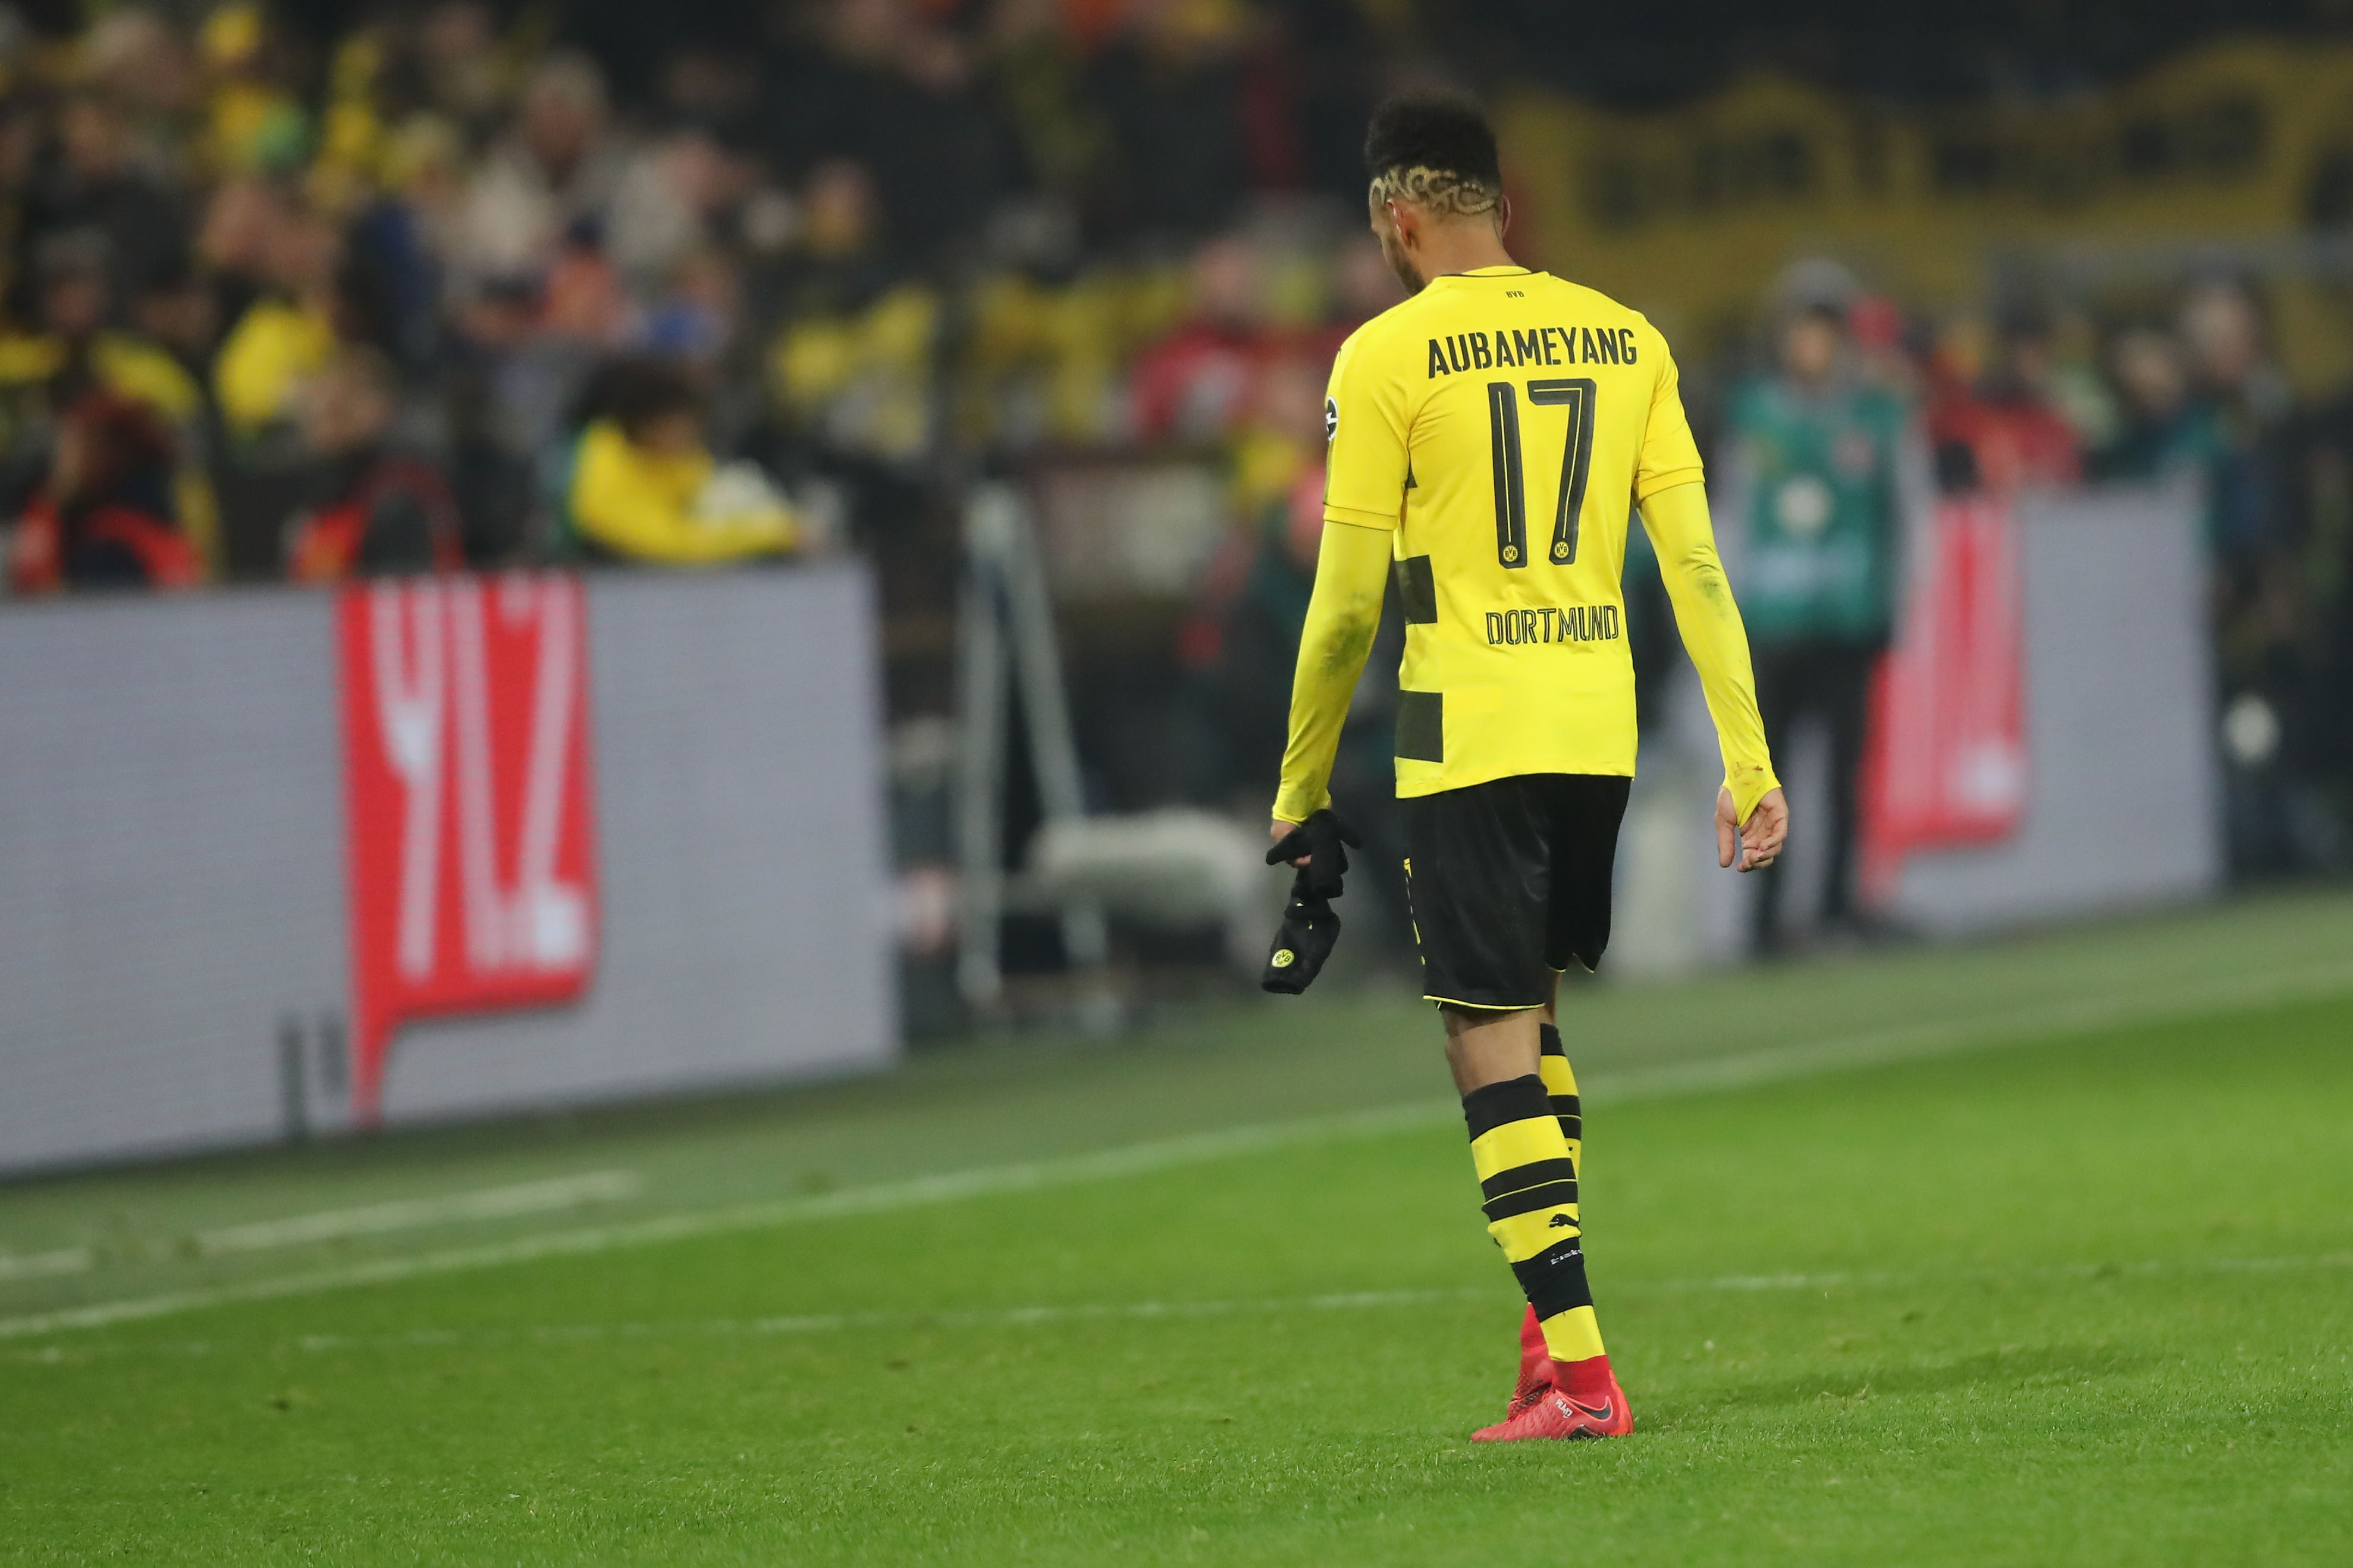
(2031, 1252)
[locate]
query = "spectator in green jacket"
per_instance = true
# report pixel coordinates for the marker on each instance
(1819, 530)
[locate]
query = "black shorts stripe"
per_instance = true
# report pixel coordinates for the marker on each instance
(1551, 1195)
(1554, 1279)
(1532, 1173)
(1501, 1104)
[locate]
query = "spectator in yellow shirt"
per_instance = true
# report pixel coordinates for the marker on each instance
(642, 486)
(285, 336)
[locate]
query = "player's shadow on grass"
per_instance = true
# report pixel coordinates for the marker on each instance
(1854, 1386)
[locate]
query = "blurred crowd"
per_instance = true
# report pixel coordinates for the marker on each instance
(433, 286)
(421, 291)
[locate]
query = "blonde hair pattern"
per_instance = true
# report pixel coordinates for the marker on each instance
(1438, 190)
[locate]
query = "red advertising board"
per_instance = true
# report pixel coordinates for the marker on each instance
(470, 829)
(1946, 762)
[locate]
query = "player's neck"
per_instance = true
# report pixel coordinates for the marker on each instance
(1448, 248)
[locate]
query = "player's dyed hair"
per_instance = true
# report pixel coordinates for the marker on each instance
(1435, 150)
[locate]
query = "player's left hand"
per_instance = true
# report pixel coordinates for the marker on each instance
(1327, 838)
(1757, 841)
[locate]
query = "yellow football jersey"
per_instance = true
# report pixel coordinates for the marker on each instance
(1504, 423)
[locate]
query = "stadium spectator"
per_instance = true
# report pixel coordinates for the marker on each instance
(2160, 430)
(663, 203)
(94, 187)
(379, 509)
(287, 332)
(139, 61)
(2246, 401)
(1170, 82)
(233, 243)
(838, 263)
(2263, 617)
(252, 123)
(1057, 132)
(1198, 382)
(853, 369)
(464, 76)
(881, 83)
(1281, 445)
(640, 485)
(76, 351)
(1817, 526)
(1243, 636)
(550, 179)
(1363, 286)
(102, 518)
(2001, 429)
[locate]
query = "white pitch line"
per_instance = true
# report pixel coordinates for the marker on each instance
(1136, 1159)
(411, 1213)
(1950, 1037)
(46, 1265)
(1776, 1064)
(1879, 1280)
(372, 1219)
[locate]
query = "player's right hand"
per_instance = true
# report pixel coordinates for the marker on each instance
(1757, 841)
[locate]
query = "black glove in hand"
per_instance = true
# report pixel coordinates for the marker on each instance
(1320, 837)
(1309, 927)
(1309, 930)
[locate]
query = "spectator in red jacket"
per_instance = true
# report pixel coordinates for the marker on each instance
(103, 517)
(1198, 383)
(377, 508)
(1998, 427)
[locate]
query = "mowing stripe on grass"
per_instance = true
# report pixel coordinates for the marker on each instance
(1493, 1295)
(998, 1317)
(1776, 1063)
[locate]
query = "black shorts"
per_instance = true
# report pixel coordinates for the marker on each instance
(1510, 883)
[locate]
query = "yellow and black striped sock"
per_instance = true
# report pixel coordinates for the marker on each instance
(1529, 1186)
(1560, 1085)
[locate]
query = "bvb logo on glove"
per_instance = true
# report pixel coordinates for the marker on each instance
(1310, 928)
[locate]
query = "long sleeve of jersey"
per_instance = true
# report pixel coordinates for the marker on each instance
(1342, 614)
(1677, 521)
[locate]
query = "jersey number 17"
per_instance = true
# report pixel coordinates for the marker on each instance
(1511, 486)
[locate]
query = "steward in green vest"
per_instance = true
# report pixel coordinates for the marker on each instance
(1823, 529)
(1818, 568)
